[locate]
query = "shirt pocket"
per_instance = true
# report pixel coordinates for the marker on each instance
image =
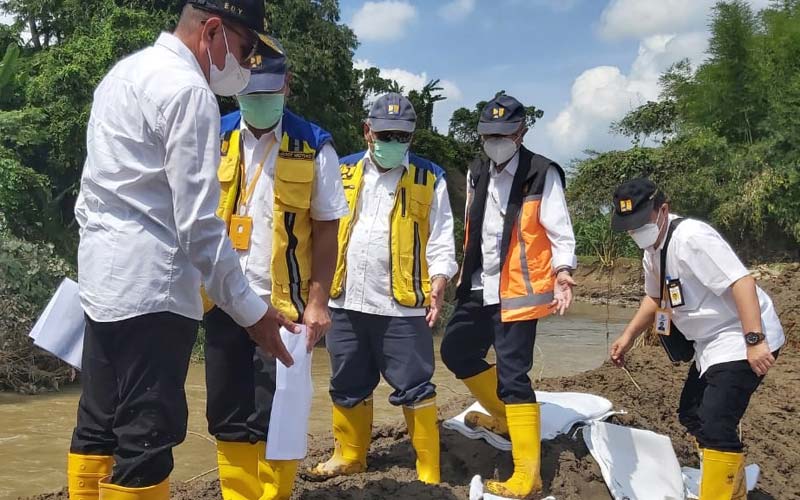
(293, 183)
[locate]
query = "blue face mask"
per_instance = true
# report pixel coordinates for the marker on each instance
(262, 111)
(389, 154)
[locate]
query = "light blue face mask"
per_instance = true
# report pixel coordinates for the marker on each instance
(262, 111)
(389, 154)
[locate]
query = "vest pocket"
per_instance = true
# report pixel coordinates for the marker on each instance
(293, 182)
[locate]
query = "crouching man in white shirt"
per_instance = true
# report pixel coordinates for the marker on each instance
(704, 292)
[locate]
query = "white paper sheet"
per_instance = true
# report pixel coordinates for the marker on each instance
(60, 328)
(287, 437)
(635, 463)
(560, 412)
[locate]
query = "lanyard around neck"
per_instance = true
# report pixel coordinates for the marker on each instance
(246, 190)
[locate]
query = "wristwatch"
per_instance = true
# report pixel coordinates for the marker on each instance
(754, 338)
(566, 269)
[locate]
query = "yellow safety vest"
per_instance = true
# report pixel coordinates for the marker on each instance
(290, 265)
(410, 228)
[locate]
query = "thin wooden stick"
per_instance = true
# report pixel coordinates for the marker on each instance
(202, 436)
(201, 475)
(625, 369)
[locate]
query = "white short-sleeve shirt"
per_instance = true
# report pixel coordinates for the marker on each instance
(707, 267)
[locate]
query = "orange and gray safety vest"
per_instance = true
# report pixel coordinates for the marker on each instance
(526, 277)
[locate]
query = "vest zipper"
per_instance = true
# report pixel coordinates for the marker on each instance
(403, 201)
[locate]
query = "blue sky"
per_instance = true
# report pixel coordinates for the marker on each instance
(584, 62)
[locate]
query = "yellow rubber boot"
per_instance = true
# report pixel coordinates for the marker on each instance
(276, 478)
(424, 431)
(352, 429)
(484, 387)
(722, 475)
(524, 427)
(110, 491)
(84, 472)
(238, 470)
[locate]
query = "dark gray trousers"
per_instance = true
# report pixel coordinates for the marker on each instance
(362, 347)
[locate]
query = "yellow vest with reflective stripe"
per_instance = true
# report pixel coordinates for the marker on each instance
(290, 265)
(408, 239)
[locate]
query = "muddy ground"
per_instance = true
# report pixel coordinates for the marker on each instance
(770, 427)
(770, 430)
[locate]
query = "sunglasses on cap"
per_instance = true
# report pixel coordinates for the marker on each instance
(393, 136)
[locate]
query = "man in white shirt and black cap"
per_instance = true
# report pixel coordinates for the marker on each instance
(696, 287)
(396, 255)
(519, 253)
(149, 238)
(281, 198)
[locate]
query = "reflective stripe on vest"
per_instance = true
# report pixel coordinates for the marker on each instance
(290, 264)
(408, 240)
(526, 278)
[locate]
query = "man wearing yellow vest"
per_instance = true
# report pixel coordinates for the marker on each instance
(281, 199)
(396, 254)
(519, 252)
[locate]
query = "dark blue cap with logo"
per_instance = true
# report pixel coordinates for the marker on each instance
(267, 70)
(392, 111)
(633, 204)
(503, 115)
(248, 13)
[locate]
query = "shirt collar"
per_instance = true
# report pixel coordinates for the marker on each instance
(176, 45)
(511, 167)
(250, 137)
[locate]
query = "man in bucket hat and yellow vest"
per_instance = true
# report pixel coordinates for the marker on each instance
(519, 251)
(396, 255)
(281, 198)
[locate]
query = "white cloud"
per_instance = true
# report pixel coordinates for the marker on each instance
(605, 94)
(641, 18)
(383, 21)
(415, 81)
(456, 10)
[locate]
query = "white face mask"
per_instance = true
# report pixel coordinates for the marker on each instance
(500, 149)
(647, 235)
(231, 79)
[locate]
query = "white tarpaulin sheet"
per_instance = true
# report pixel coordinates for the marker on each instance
(287, 437)
(59, 330)
(560, 412)
(636, 464)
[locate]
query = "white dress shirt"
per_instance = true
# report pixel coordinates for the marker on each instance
(553, 215)
(149, 193)
(367, 286)
(707, 267)
(327, 200)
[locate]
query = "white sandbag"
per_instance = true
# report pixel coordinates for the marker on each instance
(635, 463)
(691, 479)
(60, 328)
(560, 412)
(476, 491)
(287, 437)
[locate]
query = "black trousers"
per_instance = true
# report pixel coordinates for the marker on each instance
(240, 381)
(133, 404)
(711, 406)
(473, 329)
(362, 347)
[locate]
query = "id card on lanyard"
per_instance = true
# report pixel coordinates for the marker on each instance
(241, 229)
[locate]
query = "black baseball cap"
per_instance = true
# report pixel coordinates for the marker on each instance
(633, 204)
(267, 70)
(392, 111)
(503, 115)
(248, 13)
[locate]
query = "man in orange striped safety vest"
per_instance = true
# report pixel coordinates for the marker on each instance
(519, 253)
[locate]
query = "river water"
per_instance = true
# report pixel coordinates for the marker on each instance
(35, 430)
